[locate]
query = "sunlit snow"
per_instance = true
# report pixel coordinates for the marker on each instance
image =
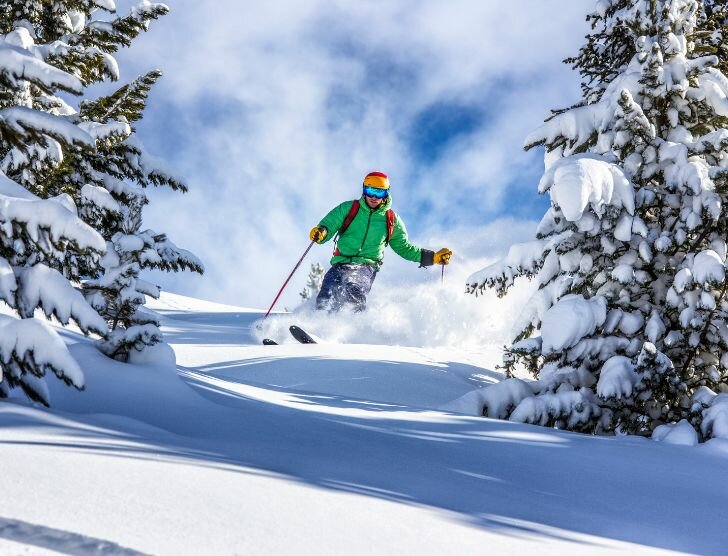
(339, 447)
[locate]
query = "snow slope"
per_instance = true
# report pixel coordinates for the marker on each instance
(327, 449)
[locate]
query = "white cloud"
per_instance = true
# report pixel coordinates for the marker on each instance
(282, 107)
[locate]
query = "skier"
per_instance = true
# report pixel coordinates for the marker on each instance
(361, 230)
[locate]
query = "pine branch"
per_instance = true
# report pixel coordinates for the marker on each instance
(109, 36)
(125, 104)
(704, 331)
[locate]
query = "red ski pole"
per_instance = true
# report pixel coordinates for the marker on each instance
(295, 268)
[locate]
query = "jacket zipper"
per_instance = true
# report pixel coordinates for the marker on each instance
(366, 232)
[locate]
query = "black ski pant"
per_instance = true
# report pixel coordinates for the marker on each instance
(346, 284)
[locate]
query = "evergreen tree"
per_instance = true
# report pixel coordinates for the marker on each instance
(112, 200)
(37, 234)
(119, 293)
(80, 171)
(630, 258)
(72, 36)
(108, 184)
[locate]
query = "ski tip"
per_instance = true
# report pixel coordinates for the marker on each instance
(269, 342)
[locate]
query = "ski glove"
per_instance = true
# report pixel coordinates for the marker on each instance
(318, 234)
(428, 258)
(442, 256)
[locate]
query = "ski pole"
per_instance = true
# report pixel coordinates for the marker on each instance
(295, 268)
(442, 276)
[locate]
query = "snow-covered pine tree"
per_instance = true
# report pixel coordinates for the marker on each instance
(37, 234)
(111, 185)
(112, 199)
(107, 184)
(630, 258)
(47, 47)
(313, 282)
(83, 44)
(117, 173)
(119, 293)
(70, 35)
(712, 36)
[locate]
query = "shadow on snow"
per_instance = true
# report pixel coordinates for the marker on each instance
(511, 478)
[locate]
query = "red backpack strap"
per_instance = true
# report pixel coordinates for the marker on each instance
(347, 221)
(390, 224)
(349, 217)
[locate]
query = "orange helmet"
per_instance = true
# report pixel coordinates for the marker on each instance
(378, 180)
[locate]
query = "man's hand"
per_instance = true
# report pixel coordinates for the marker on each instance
(442, 256)
(318, 234)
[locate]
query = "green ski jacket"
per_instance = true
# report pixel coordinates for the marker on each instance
(364, 240)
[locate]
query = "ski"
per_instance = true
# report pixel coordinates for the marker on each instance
(298, 333)
(301, 335)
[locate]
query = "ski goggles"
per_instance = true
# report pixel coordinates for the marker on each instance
(375, 192)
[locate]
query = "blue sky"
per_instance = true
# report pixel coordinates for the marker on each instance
(273, 114)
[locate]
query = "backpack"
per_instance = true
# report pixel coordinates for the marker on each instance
(352, 214)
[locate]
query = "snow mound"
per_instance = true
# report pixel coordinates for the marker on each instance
(715, 417)
(681, 434)
(160, 354)
(499, 399)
